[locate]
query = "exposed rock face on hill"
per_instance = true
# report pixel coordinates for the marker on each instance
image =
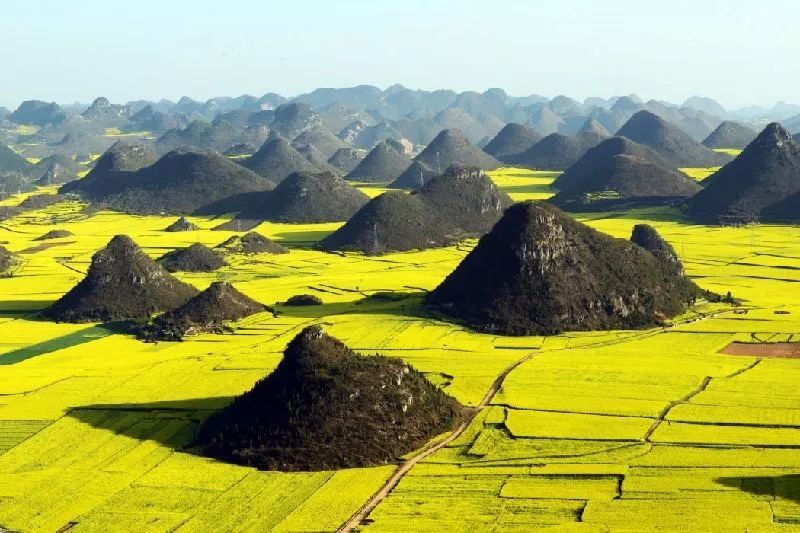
(180, 182)
(278, 159)
(10, 161)
(113, 168)
(181, 224)
(194, 258)
(556, 151)
(730, 134)
(383, 163)
(325, 407)
(122, 283)
(758, 184)
(38, 113)
(460, 203)
(620, 171)
(252, 243)
(205, 313)
(674, 145)
(539, 272)
(306, 198)
(511, 140)
(347, 159)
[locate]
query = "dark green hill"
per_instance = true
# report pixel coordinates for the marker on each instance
(325, 408)
(205, 313)
(414, 177)
(383, 163)
(674, 145)
(38, 113)
(194, 258)
(451, 147)
(620, 172)
(511, 140)
(730, 135)
(539, 272)
(181, 182)
(758, 183)
(112, 169)
(462, 202)
(347, 159)
(277, 159)
(123, 282)
(322, 139)
(10, 161)
(556, 151)
(181, 224)
(251, 243)
(305, 198)
(45, 166)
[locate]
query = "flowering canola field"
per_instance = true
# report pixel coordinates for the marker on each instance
(621, 431)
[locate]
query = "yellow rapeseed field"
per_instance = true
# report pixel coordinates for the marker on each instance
(613, 430)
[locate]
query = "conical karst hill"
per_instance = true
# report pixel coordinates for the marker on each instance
(326, 407)
(122, 283)
(759, 184)
(539, 272)
(460, 203)
(207, 312)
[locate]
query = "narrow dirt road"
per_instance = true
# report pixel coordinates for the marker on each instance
(409, 463)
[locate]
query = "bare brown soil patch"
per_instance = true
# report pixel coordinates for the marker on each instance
(788, 350)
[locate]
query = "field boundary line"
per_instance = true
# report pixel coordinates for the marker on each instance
(426, 452)
(663, 414)
(363, 513)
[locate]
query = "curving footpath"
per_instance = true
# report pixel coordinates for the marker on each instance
(409, 463)
(358, 518)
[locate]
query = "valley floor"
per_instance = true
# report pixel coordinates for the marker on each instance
(621, 431)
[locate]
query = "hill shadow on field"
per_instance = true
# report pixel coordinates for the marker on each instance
(170, 423)
(69, 340)
(785, 487)
(22, 308)
(300, 238)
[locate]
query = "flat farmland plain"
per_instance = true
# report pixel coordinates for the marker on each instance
(621, 430)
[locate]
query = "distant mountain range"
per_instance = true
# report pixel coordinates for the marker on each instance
(366, 115)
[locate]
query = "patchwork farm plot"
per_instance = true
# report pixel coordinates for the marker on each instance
(624, 430)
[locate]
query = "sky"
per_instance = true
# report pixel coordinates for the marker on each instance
(740, 52)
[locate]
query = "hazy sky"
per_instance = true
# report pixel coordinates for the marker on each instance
(737, 51)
